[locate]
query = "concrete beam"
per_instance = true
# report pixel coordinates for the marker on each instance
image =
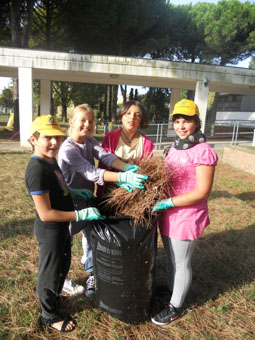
(122, 70)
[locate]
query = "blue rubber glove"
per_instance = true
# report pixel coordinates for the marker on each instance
(163, 204)
(133, 180)
(83, 193)
(131, 167)
(88, 214)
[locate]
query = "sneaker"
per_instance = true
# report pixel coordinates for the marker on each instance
(72, 288)
(90, 286)
(167, 315)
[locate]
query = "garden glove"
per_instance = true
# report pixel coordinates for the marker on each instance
(88, 214)
(83, 193)
(125, 186)
(133, 180)
(163, 204)
(131, 167)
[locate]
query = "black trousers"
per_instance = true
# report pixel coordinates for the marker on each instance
(54, 264)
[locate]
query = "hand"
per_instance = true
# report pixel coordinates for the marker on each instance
(83, 193)
(135, 181)
(88, 214)
(131, 167)
(125, 186)
(163, 204)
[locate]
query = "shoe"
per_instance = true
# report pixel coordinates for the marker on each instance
(66, 321)
(167, 315)
(90, 286)
(72, 288)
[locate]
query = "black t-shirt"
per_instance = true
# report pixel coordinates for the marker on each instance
(42, 177)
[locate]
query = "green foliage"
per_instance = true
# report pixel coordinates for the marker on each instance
(6, 98)
(48, 31)
(225, 30)
(122, 27)
(88, 93)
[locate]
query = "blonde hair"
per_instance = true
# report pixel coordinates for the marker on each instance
(77, 109)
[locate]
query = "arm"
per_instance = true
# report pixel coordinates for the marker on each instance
(204, 179)
(47, 214)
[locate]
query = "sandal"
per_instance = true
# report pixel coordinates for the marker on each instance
(49, 323)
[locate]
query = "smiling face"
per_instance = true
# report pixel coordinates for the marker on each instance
(82, 125)
(46, 147)
(184, 127)
(132, 119)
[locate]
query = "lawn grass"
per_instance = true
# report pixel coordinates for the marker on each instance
(221, 301)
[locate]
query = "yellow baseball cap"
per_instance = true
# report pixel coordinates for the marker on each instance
(48, 125)
(185, 107)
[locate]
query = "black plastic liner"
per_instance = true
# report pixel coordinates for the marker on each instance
(124, 265)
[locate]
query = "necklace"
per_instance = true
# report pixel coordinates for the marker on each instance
(129, 140)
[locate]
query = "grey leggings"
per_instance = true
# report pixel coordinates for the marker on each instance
(179, 254)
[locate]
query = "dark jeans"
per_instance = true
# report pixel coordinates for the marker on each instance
(54, 264)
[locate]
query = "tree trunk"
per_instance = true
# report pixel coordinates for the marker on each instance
(114, 103)
(20, 34)
(64, 113)
(16, 105)
(124, 92)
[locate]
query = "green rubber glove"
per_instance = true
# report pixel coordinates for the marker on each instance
(163, 204)
(133, 180)
(83, 193)
(131, 167)
(125, 186)
(88, 214)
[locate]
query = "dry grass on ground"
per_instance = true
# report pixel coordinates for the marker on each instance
(221, 301)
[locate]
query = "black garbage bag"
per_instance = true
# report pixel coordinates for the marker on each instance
(124, 263)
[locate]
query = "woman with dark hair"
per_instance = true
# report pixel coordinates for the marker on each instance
(127, 143)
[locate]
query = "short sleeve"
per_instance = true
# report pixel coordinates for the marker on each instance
(205, 155)
(37, 181)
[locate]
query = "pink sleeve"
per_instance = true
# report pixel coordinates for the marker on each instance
(148, 148)
(205, 155)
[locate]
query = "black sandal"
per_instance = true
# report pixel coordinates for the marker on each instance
(50, 322)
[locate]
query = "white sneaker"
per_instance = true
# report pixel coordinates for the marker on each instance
(90, 286)
(72, 288)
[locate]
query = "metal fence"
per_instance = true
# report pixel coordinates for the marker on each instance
(236, 132)
(239, 131)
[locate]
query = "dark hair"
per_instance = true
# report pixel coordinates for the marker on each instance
(195, 118)
(125, 107)
(36, 134)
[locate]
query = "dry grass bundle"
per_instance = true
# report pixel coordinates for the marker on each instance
(138, 204)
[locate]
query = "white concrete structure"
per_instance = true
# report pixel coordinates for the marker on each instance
(48, 66)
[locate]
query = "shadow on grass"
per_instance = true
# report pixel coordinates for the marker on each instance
(14, 152)
(248, 196)
(221, 262)
(15, 228)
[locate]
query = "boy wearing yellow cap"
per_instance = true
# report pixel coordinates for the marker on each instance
(54, 211)
(184, 215)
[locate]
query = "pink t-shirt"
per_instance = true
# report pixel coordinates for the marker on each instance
(186, 223)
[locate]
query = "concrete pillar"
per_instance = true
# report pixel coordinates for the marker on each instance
(25, 104)
(201, 99)
(45, 96)
(175, 97)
